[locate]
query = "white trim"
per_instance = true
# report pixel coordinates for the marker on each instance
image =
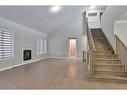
(120, 21)
(58, 57)
(24, 63)
(78, 59)
(64, 57)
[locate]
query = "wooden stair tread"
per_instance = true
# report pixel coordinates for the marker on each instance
(106, 54)
(103, 51)
(110, 77)
(100, 38)
(107, 64)
(107, 70)
(107, 59)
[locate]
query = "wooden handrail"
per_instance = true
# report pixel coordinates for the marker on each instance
(120, 41)
(90, 37)
(92, 49)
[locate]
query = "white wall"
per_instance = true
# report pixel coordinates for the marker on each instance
(108, 19)
(120, 29)
(58, 45)
(24, 38)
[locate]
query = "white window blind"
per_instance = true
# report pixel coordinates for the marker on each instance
(6, 45)
(45, 46)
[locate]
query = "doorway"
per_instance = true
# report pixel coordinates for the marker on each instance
(72, 47)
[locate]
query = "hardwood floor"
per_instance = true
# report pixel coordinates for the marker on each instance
(53, 74)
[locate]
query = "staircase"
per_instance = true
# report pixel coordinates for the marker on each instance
(107, 66)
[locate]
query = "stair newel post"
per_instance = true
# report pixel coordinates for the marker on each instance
(90, 63)
(125, 59)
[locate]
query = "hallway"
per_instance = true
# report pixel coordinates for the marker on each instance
(53, 74)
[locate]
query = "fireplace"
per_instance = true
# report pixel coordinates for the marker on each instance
(26, 55)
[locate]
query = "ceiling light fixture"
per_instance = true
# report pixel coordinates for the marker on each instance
(92, 7)
(55, 8)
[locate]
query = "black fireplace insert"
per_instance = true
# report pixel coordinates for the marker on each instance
(26, 55)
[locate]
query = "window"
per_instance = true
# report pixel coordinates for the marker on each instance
(45, 46)
(41, 46)
(6, 45)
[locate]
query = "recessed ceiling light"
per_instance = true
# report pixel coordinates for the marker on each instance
(92, 7)
(55, 8)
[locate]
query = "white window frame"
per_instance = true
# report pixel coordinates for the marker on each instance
(45, 46)
(41, 46)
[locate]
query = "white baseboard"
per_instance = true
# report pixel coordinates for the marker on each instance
(31, 61)
(64, 57)
(24, 63)
(58, 57)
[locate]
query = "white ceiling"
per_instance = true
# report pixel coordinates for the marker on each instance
(41, 18)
